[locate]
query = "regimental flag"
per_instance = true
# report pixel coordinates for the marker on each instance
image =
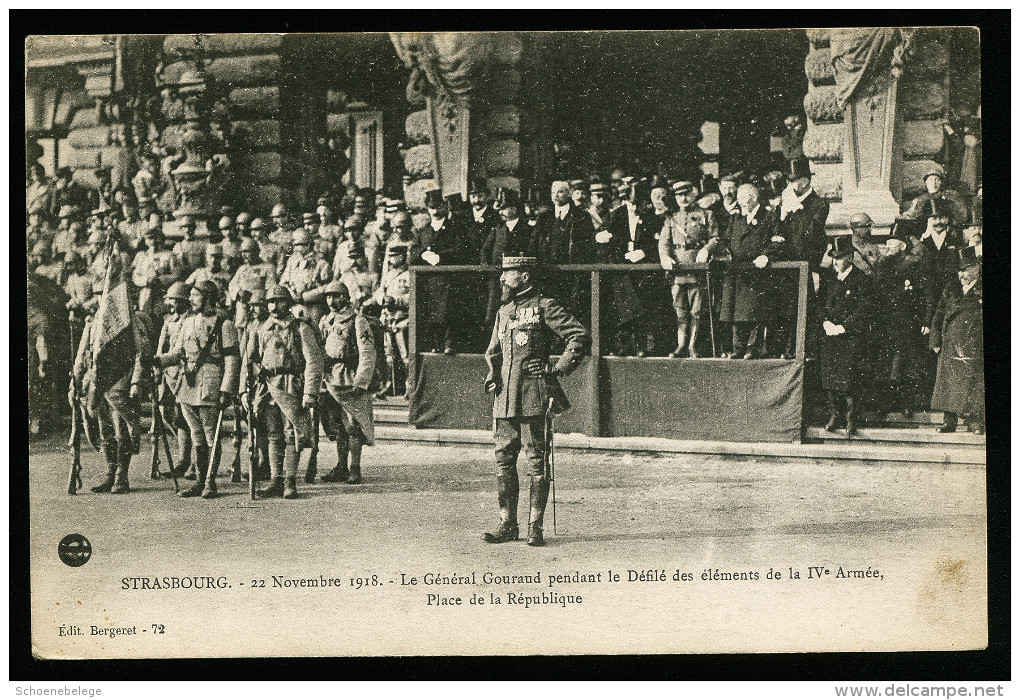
(114, 333)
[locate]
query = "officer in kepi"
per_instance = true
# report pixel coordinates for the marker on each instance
(523, 382)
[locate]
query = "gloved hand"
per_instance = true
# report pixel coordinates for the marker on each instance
(761, 261)
(702, 256)
(493, 385)
(134, 392)
(310, 401)
(666, 263)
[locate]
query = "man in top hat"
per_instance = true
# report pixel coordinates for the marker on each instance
(213, 271)
(440, 242)
(938, 251)
(305, 276)
(285, 356)
(154, 269)
(957, 339)
(393, 297)
(513, 233)
(206, 349)
(523, 381)
(252, 274)
(191, 250)
(178, 309)
(935, 188)
(349, 357)
(802, 217)
(685, 234)
(900, 284)
(847, 312)
(484, 217)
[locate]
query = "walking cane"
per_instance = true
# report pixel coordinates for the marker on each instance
(550, 460)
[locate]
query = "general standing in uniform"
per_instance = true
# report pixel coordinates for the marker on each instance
(349, 366)
(285, 355)
(207, 351)
(522, 381)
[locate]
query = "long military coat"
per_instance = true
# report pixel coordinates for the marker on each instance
(524, 330)
(957, 330)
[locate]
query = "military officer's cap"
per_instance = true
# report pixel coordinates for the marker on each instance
(968, 258)
(393, 206)
(336, 287)
(842, 246)
(478, 186)
(226, 223)
(322, 210)
(861, 220)
(300, 237)
(257, 298)
(579, 185)
(599, 187)
(682, 186)
(257, 224)
(97, 237)
(185, 222)
(323, 201)
(278, 293)
(400, 219)
(178, 290)
(309, 216)
(519, 262)
(354, 222)
(213, 249)
(248, 243)
(433, 199)
(209, 290)
(935, 169)
(67, 212)
(244, 218)
(279, 209)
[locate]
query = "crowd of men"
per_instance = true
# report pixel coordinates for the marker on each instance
(319, 311)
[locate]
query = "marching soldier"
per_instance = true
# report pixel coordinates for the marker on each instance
(523, 382)
(305, 276)
(685, 239)
(172, 377)
(114, 410)
(155, 269)
(349, 367)
(207, 351)
(285, 354)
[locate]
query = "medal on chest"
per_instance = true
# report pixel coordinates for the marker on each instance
(521, 338)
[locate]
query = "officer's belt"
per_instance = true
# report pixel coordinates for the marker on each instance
(278, 372)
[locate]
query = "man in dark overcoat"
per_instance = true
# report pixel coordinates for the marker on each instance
(440, 242)
(847, 313)
(956, 336)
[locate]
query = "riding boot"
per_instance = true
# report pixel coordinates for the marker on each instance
(507, 494)
(120, 482)
(694, 337)
(539, 497)
(275, 489)
(201, 467)
(851, 416)
(110, 454)
(291, 457)
(355, 472)
(184, 462)
(681, 341)
(833, 403)
(339, 472)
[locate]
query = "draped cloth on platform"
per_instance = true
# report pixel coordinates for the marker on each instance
(858, 56)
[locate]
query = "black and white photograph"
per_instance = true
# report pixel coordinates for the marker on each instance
(505, 343)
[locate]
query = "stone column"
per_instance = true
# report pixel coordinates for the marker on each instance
(871, 154)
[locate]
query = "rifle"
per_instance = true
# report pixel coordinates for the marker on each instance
(550, 460)
(235, 464)
(159, 435)
(253, 444)
(313, 458)
(74, 477)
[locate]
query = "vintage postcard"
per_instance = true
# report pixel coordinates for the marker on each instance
(506, 343)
